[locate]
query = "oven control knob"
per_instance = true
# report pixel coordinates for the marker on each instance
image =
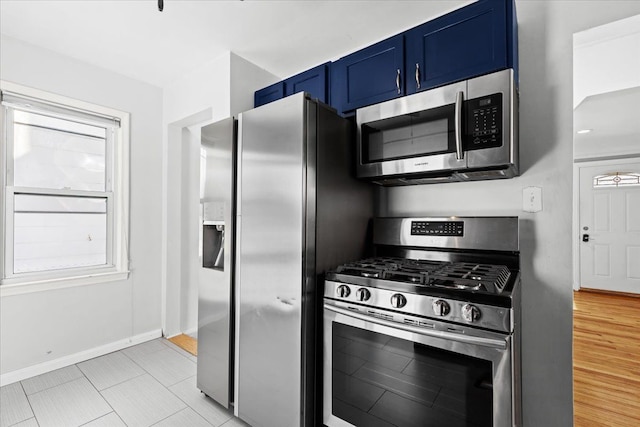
(398, 301)
(440, 307)
(343, 291)
(363, 294)
(470, 313)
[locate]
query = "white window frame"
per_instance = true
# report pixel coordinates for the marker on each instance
(117, 195)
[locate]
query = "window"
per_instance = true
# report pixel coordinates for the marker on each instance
(616, 179)
(64, 190)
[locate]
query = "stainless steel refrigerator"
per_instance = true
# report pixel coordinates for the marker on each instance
(215, 288)
(299, 211)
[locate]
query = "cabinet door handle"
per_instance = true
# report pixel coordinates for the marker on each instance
(458, 124)
(398, 81)
(417, 75)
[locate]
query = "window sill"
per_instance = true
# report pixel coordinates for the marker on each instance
(27, 287)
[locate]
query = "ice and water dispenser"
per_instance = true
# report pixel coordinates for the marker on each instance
(213, 236)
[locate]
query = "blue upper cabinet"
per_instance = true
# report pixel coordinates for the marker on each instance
(477, 39)
(268, 94)
(314, 81)
(471, 41)
(368, 76)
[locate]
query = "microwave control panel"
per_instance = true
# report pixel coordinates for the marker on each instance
(484, 122)
(437, 228)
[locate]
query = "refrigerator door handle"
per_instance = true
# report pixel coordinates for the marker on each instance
(238, 172)
(236, 311)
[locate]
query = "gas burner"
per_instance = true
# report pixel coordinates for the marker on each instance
(379, 263)
(411, 271)
(459, 276)
(406, 275)
(454, 284)
(492, 278)
(360, 270)
(422, 265)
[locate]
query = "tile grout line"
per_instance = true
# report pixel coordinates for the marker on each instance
(67, 382)
(103, 398)
(147, 372)
(57, 385)
(152, 376)
(180, 410)
(101, 416)
(158, 381)
(121, 382)
(30, 406)
(49, 388)
(179, 350)
(162, 385)
(189, 406)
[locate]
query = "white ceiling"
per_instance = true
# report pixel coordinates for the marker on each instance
(133, 38)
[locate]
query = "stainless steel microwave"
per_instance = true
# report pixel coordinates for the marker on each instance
(464, 131)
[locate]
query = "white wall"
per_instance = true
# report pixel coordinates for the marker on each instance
(246, 78)
(216, 90)
(606, 58)
(48, 329)
(606, 90)
(546, 105)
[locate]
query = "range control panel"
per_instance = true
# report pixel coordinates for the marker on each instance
(484, 122)
(437, 228)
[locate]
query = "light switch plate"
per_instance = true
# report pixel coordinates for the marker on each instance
(532, 199)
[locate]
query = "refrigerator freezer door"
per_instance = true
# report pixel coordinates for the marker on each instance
(215, 293)
(269, 278)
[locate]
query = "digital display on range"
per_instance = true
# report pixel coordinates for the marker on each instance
(437, 228)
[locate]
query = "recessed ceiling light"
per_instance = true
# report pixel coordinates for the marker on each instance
(585, 130)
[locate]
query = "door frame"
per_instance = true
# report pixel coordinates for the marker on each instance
(578, 165)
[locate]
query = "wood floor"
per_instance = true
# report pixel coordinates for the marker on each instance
(186, 342)
(606, 359)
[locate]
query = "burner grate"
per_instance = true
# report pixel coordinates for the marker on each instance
(407, 275)
(453, 275)
(472, 276)
(354, 270)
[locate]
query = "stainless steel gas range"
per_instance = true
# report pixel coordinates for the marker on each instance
(426, 333)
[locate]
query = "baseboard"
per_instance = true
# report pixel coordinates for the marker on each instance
(606, 292)
(52, 365)
(190, 332)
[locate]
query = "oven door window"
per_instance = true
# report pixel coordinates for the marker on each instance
(378, 380)
(418, 134)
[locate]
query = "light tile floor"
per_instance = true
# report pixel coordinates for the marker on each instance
(150, 384)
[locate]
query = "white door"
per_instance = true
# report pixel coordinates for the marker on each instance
(609, 221)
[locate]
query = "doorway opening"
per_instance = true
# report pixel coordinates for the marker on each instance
(183, 217)
(606, 225)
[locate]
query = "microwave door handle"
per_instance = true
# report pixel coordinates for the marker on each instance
(458, 124)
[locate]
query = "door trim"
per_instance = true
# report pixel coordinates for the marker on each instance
(575, 234)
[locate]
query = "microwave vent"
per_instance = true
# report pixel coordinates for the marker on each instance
(449, 176)
(486, 174)
(416, 181)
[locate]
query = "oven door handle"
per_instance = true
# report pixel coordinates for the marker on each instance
(483, 341)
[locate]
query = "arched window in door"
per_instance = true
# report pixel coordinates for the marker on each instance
(616, 179)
